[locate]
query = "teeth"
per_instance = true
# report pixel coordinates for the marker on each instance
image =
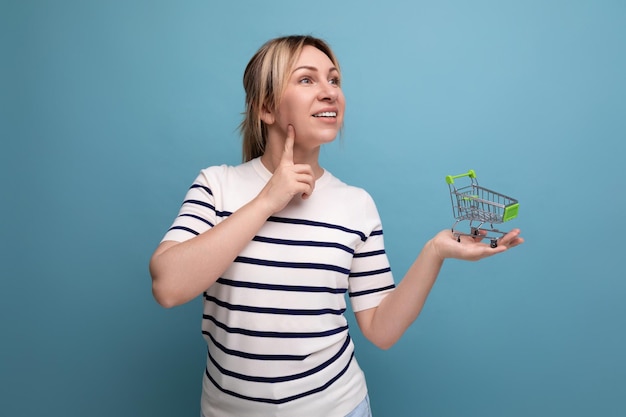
(326, 114)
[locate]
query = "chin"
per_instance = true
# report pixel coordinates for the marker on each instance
(318, 139)
(326, 139)
(328, 136)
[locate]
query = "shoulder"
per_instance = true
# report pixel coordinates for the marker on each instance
(231, 186)
(217, 174)
(349, 193)
(354, 199)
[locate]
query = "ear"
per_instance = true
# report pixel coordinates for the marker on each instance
(267, 116)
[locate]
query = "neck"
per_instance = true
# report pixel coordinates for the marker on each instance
(274, 152)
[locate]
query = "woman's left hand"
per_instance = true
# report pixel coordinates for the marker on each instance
(472, 248)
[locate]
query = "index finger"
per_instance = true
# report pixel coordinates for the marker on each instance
(288, 151)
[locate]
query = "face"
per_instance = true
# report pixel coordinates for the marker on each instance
(312, 101)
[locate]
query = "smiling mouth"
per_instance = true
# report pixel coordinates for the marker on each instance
(326, 114)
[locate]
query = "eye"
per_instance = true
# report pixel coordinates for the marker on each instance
(335, 81)
(305, 80)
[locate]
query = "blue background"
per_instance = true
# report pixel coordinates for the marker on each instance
(110, 108)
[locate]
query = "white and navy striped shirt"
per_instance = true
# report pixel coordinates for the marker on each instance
(278, 341)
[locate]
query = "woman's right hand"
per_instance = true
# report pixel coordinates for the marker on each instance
(289, 179)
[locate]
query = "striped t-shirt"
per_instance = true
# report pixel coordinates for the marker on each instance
(278, 341)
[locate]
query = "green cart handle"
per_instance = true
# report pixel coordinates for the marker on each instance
(450, 178)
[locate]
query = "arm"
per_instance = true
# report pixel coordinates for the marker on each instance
(384, 325)
(183, 270)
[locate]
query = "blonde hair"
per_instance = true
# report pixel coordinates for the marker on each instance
(264, 81)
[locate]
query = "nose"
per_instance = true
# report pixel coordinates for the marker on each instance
(328, 92)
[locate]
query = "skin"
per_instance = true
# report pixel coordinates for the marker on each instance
(313, 87)
(182, 271)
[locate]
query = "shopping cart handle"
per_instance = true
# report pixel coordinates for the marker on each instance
(450, 178)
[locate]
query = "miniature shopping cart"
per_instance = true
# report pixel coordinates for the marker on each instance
(480, 206)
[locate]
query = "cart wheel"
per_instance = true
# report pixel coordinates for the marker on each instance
(494, 243)
(475, 231)
(458, 239)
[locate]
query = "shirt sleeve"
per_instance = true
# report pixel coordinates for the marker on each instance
(370, 278)
(197, 213)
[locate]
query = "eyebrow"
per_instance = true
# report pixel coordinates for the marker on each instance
(310, 68)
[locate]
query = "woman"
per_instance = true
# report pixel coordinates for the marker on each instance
(274, 244)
